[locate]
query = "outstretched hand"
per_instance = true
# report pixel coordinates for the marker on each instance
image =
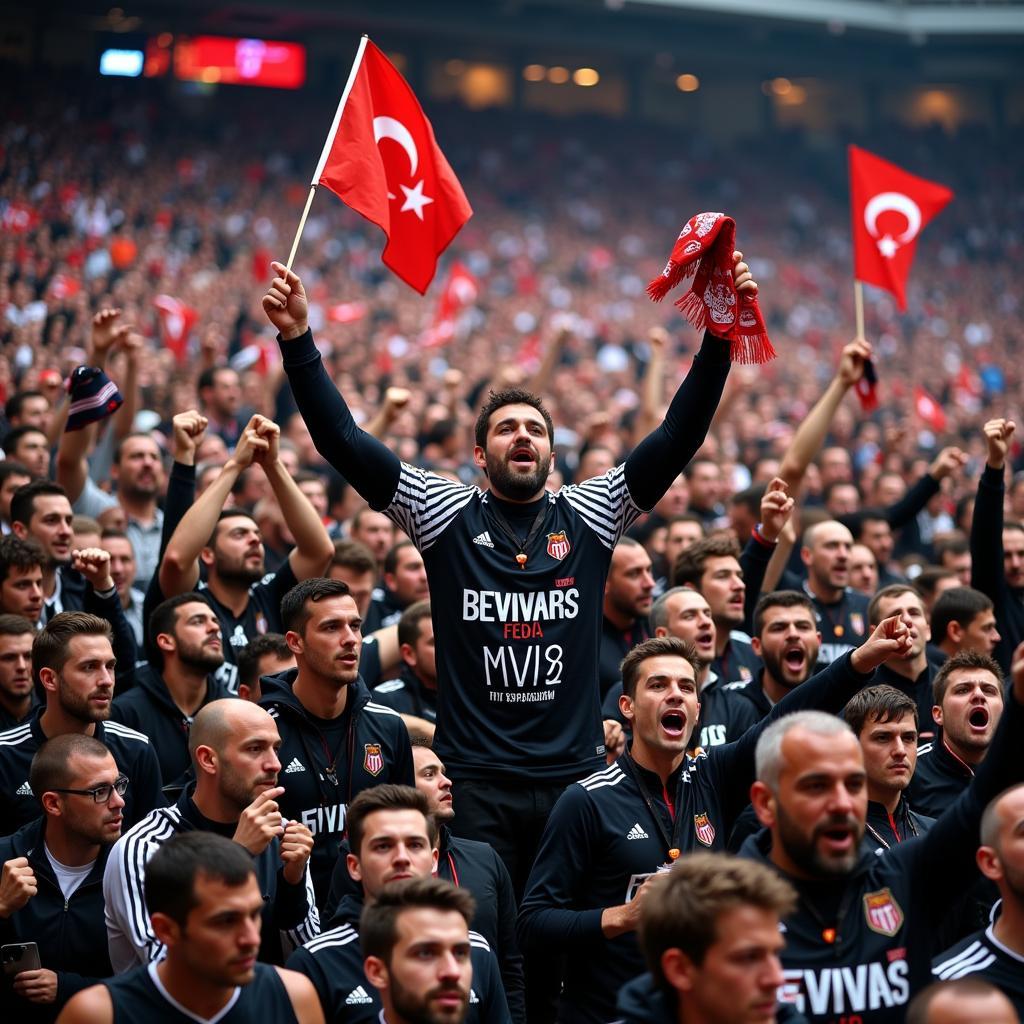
(851, 362)
(776, 508)
(285, 303)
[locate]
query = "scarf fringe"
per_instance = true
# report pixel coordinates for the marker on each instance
(751, 349)
(693, 309)
(674, 273)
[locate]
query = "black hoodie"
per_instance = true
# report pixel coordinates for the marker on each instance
(149, 708)
(368, 744)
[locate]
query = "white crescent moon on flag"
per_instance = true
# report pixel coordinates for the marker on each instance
(893, 201)
(389, 128)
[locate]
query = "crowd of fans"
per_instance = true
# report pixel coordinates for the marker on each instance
(178, 535)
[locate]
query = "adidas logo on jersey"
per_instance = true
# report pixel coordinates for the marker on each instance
(484, 539)
(636, 832)
(295, 766)
(357, 997)
(24, 790)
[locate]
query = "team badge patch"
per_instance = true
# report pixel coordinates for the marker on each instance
(558, 545)
(883, 912)
(373, 760)
(705, 830)
(857, 622)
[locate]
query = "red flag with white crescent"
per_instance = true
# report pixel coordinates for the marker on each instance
(381, 159)
(889, 208)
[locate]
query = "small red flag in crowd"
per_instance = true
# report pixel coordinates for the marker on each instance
(381, 158)
(460, 290)
(176, 323)
(889, 208)
(929, 410)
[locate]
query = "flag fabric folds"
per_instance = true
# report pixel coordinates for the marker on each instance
(382, 160)
(889, 208)
(460, 290)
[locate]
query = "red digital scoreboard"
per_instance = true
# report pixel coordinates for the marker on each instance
(223, 60)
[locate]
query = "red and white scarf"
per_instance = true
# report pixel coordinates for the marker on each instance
(704, 251)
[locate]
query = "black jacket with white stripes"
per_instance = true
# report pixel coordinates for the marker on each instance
(287, 908)
(333, 961)
(517, 646)
(367, 743)
(939, 778)
(984, 957)
(602, 842)
(132, 752)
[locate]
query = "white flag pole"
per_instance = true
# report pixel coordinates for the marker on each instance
(858, 307)
(327, 145)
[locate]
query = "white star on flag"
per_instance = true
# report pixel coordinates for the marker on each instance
(415, 200)
(887, 246)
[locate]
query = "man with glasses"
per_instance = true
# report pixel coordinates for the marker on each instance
(73, 661)
(51, 886)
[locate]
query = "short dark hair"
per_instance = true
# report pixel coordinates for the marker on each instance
(209, 376)
(170, 881)
(892, 590)
(52, 645)
(682, 909)
(386, 797)
(14, 404)
(85, 524)
(15, 625)
(780, 599)
(964, 659)
(163, 619)
(653, 648)
(509, 396)
(295, 610)
(960, 605)
(409, 623)
(750, 498)
(248, 658)
(228, 513)
(878, 704)
(695, 462)
(927, 580)
(686, 517)
(50, 764)
(13, 436)
(12, 467)
(378, 924)
(23, 500)
(119, 447)
(689, 567)
(18, 553)
(953, 544)
(354, 555)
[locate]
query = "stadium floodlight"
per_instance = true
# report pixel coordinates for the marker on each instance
(121, 63)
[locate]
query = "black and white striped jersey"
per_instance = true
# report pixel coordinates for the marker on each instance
(517, 648)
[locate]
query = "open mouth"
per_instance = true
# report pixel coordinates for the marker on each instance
(522, 457)
(794, 659)
(978, 718)
(673, 722)
(838, 838)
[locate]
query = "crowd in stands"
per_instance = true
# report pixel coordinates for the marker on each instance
(219, 591)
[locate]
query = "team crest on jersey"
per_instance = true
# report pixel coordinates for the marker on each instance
(857, 622)
(558, 545)
(705, 830)
(883, 912)
(373, 760)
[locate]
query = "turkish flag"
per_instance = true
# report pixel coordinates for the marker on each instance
(381, 159)
(460, 290)
(889, 208)
(176, 323)
(929, 410)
